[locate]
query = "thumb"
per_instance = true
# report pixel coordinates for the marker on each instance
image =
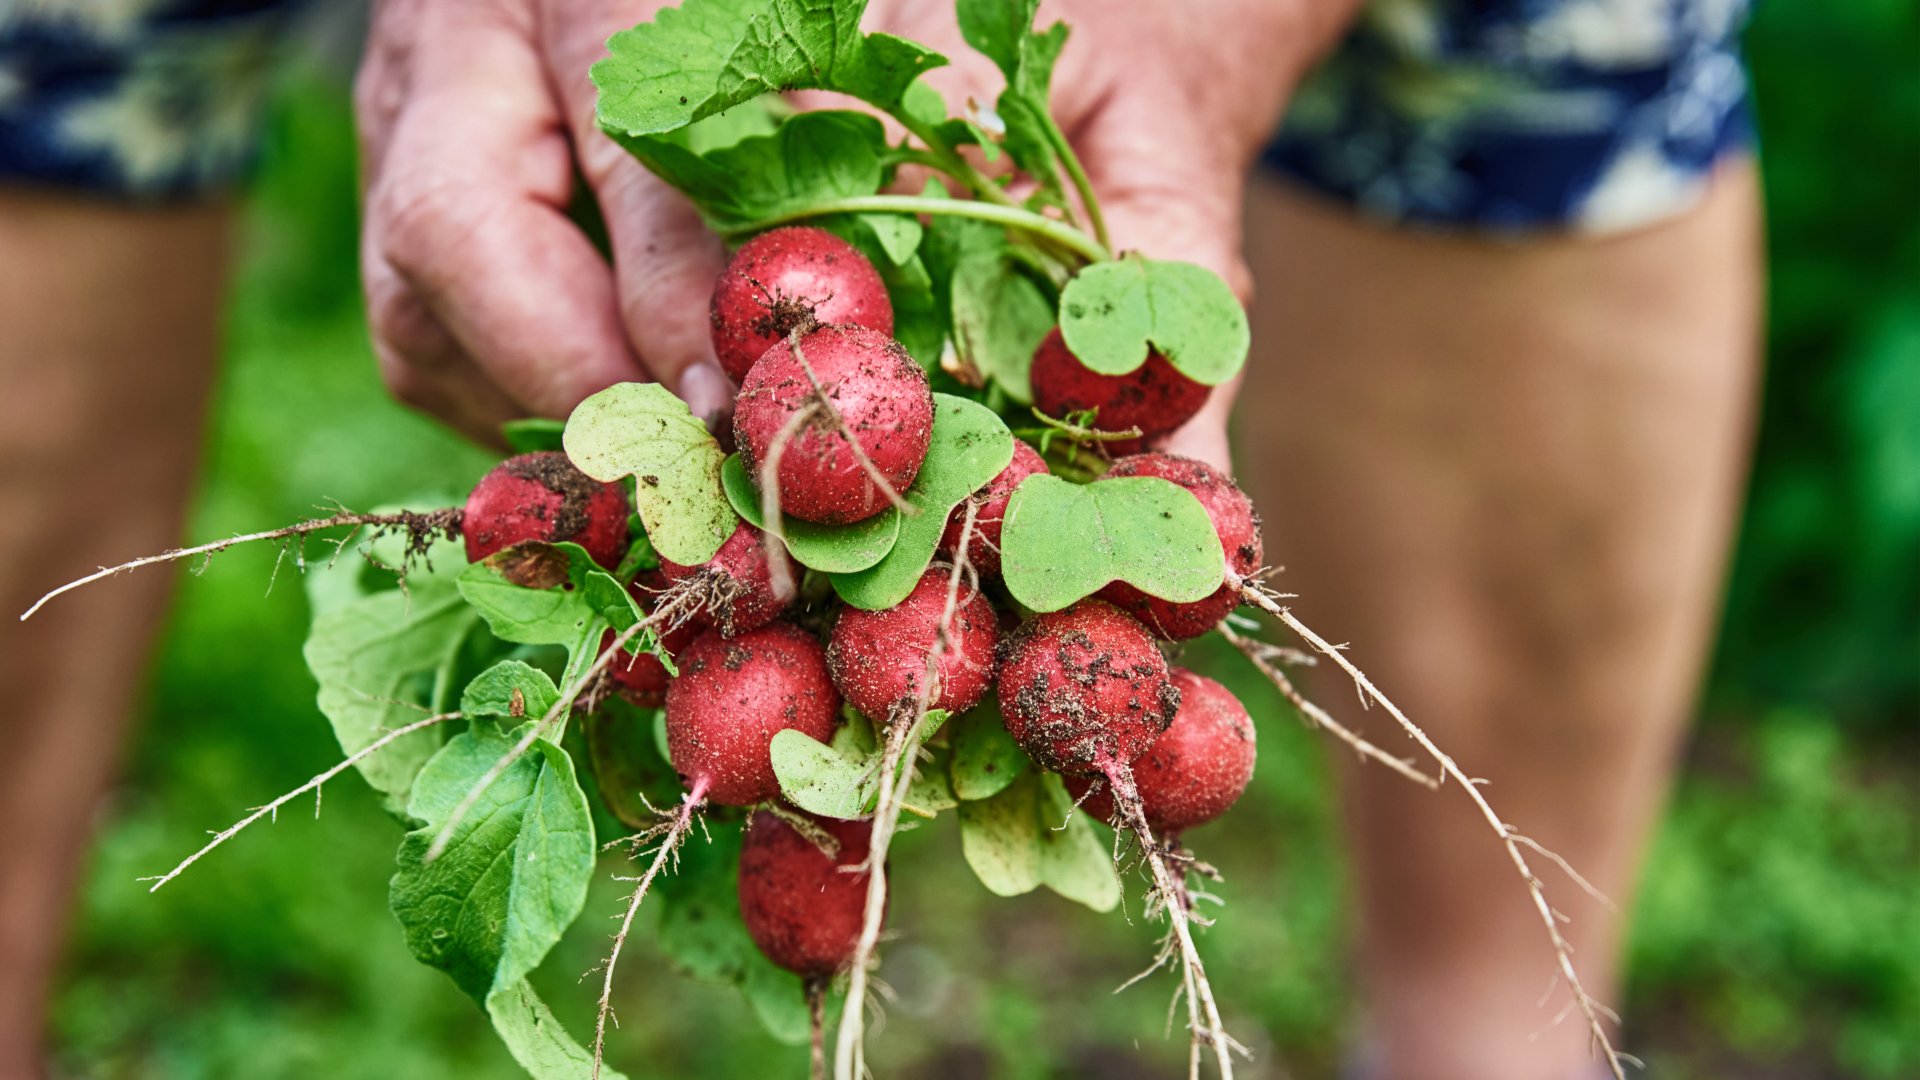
(1168, 196)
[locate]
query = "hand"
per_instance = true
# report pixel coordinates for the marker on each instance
(486, 301)
(1167, 104)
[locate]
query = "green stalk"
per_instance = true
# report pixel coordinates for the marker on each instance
(1014, 217)
(1080, 182)
(954, 165)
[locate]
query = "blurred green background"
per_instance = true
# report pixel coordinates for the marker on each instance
(1779, 934)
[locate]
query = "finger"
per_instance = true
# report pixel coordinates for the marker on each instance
(424, 366)
(665, 259)
(467, 212)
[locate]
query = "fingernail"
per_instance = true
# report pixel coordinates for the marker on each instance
(708, 394)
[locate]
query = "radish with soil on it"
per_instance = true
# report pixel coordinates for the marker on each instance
(1153, 398)
(541, 496)
(1234, 519)
(1195, 771)
(835, 422)
(879, 659)
(1086, 692)
(731, 697)
(794, 277)
(745, 586)
(803, 898)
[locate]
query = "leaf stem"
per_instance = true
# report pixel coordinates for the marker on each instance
(1081, 184)
(949, 161)
(1058, 233)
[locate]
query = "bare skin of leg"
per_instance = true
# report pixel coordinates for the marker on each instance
(1508, 475)
(108, 333)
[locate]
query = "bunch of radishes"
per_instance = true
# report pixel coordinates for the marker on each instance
(833, 421)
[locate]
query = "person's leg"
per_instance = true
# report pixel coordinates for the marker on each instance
(108, 332)
(1508, 476)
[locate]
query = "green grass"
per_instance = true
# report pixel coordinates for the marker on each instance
(1778, 937)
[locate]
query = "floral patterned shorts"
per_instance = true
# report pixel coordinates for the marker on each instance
(1502, 115)
(1517, 116)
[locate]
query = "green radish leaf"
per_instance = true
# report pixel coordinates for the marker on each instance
(533, 1035)
(510, 688)
(841, 780)
(1112, 312)
(630, 770)
(985, 758)
(532, 434)
(969, 447)
(999, 318)
(514, 876)
(819, 779)
(778, 998)
(999, 839)
(930, 793)
(830, 549)
(706, 56)
(1029, 835)
(1002, 31)
(891, 242)
(1062, 541)
(811, 157)
(641, 430)
(535, 593)
(1074, 859)
(897, 236)
(380, 658)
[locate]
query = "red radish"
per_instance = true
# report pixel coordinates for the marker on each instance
(803, 908)
(1233, 518)
(796, 276)
(737, 583)
(878, 658)
(543, 497)
(642, 679)
(983, 549)
(1194, 772)
(1153, 397)
(1085, 691)
(733, 695)
(879, 392)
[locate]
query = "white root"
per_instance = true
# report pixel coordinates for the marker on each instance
(1203, 1011)
(272, 809)
(671, 835)
(1315, 716)
(902, 739)
(420, 524)
(1510, 838)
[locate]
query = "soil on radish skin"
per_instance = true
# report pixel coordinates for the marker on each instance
(558, 475)
(1067, 721)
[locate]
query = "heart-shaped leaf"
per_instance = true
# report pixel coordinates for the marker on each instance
(969, 446)
(830, 549)
(641, 430)
(1062, 541)
(985, 758)
(841, 780)
(1030, 835)
(1111, 312)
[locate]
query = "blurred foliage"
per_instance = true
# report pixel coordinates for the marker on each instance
(1825, 598)
(1778, 934)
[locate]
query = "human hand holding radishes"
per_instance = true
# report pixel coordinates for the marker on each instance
(487, 302)
(941, 572)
